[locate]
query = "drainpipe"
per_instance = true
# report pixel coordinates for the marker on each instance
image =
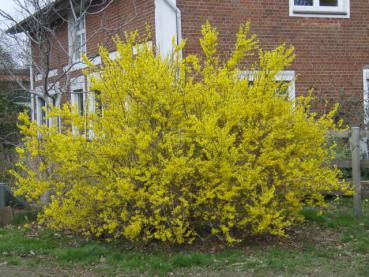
(32, 96)
(179, 19)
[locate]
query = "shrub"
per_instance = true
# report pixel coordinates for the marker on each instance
(183, 148)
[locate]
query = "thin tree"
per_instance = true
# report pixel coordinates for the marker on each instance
(39, 44)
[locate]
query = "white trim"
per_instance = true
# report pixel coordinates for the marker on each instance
(48, 101)
(39, 113)
(73, 33)
(114, 55)
(23, 104)
(77, 83)
(366, 95)
(342, 11)
(38, 107)
(364, 141)
(285, 75)
(52, 73)
(91, 98)
(289, 76)
(54, 89)
(91, 94)
(74, 67)
(140, 46)
(31, 84)
(162, 23)
(96, 61)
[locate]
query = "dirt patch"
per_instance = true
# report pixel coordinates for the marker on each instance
(20, 271)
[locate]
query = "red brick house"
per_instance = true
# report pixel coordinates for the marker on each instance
(331, 38)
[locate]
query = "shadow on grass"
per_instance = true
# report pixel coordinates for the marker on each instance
(332, 242)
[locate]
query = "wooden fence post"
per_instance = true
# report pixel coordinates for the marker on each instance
(2, 195)
(356, 174)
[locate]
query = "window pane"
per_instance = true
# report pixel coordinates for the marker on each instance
(329, 3)
(98, 103)
(80, 103)
(83, 44)
(283, 88)
(304, 2)
(43, 111)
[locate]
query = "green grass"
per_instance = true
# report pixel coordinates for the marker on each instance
(24, 216)
(330, 243)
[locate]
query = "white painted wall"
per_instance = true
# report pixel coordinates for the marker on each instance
(165, 25)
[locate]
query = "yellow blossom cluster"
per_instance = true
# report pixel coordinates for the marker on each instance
(181, 147)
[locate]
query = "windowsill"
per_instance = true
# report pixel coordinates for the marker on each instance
(341, 10)
(319, 13)
(96, 61)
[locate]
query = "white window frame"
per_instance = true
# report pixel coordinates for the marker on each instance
(74, 33)
(288, 76)
(285, 75)
(76, 85)
(342, 11)
(91, 94)
(39, 118)
(53, 90)
(39, 113)
(91, 105)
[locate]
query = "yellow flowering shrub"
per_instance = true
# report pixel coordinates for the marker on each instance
(183, 148)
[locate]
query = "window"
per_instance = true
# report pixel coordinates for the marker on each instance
(95, 104)
(78, 102)
(285, 79)
(78, 99)
(40, 111)
(94, 107)
(94, 96)
(320, 8)
(77, 39)
(42, 106)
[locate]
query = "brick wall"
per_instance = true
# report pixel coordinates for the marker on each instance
(331, 53)
(120, 17)
(101, 25)
(116, 19)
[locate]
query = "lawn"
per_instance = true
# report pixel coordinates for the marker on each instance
(332, 244)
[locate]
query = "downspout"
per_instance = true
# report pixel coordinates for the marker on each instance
(178, 19)
(32, 96)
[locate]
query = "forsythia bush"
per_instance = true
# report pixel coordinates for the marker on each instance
(182, 148)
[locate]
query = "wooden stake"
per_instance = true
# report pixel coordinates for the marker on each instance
(356, 174)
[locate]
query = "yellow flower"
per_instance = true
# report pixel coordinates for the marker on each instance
(181, 146)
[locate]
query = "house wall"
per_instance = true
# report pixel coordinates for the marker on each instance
(116, 19)
(120, 17)
(331, 53)
(102, 23)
